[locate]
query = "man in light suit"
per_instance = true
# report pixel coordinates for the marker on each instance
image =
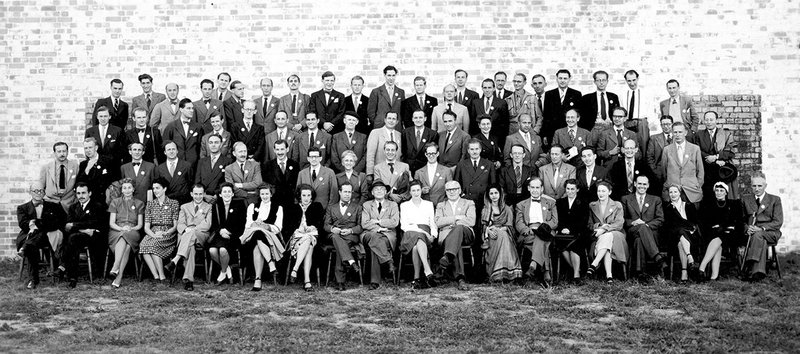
(216, 129)
(455, 218)
(536, 223)
(678, 105)
(281, 172)
(418, 101)
(328, 104)
(178, 173)
(358, 103)
(117, 108)
(433, 175)
(764, 216)
(295, 104)
(250, 133)
(142, 172)
(637, 118)
(464, 95)
(194, 222)
(207, 106)
(110, 140)
(349, 139)
(385, 99)
(644, 216)
(313, 137)
(285, 133)
(244, 174)
(529, 140)
(501, 92)
(717, 149)
(572, 137)
(453, 142)
(222, 93)
(683, 165)
(393, 173)
(379, 219)
(588, 175)
(449, 104)
(597, 106)
(233, 105)
(514, 177)
(266, 106)
(555, 173)
(378, 138)
(610, 142)
(415, 137)
(148, 99)
(319, 177)
(149, 137)
(40, 224)
(210, 172)
(343, 224)
(655, 147)
(521, 102)
(166, 111)
(186, 134)
(556, 104)
(491, 106)
(59, 177)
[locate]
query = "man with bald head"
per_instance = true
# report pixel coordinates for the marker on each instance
(166, 111)
(250, 133)
(454, 217)
(40, 224)
(449, 104)
(266, 106)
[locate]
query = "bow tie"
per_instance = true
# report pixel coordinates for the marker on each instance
(173, 101)
(136, 164)
(536, 200)
(344, 205)
(206, 101)
(141, 131)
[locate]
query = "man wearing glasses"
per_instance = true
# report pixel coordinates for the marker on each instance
(595, 106)
(433, 175)
(610, 144)
(320, 178)
(250, 133)
(40, 224)
(454, 218)
(519, 103)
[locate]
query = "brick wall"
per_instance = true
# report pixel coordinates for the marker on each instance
(57, 59)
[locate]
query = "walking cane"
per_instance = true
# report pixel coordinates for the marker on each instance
(747, 247)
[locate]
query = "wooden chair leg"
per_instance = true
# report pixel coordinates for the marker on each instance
(105, 264)
(360, 266)
(400, 270)
(89, 262)
(22, 262)
(776, 260)
(328, 271)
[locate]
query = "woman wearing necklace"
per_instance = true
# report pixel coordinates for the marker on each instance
(160, 226)
(606, 220)
(262, 233)
(125, 226)
(680, 219)
(419, 230)
(722, 226)
(306, 223)
(499, 249)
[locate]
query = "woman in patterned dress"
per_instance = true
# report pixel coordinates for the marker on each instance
(160, 226)
(500, 251)
(125, 228)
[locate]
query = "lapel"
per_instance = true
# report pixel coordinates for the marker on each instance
(764, 202)
(385, 94)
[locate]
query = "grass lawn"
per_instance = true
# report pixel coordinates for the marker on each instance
(725, 316)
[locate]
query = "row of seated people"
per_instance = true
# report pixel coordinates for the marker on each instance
(262, 229)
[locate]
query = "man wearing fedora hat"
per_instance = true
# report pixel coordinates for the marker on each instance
(716, 148)
(379, 218)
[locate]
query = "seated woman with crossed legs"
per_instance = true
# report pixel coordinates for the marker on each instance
(722, 225)
(419, 230)
(606, 220)
(125, 224)
(262, 233)
(307, 219)
(680, 219)
(160, 227)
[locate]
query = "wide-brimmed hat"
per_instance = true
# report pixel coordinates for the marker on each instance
(728, 172)
(378, 183)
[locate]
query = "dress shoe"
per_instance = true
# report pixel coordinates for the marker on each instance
(223, 281)
(58, 273)
(444, 262)
(32, 285)
(188, 285)
(590, 271)
(170, 267)
(354, 267)
(308, 288)
(462, 285)
(757, 277)
(431, 280)
(374, 286)
(114, 285)
(531, 273)
(292, 277)
(340, 286)
(72, 283)
(256, 285)
(112, 275)
(416, 284)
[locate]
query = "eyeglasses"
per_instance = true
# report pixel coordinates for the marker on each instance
(37, 191)
(250, 109)
(518, 81)
(431, 153)
(618, 116)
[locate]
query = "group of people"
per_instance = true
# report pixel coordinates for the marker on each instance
(508, 177)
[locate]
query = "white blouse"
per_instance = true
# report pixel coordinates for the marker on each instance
(263, 213)
(412, 215)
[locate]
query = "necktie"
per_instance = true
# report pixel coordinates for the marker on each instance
(311, 141)
(294, 104)
(619, 137)
(247, 125)
(241, 167)
(475, 165)
(356, 101)
(419, 136)
(572, 135)
(313, 175)
(539, 101)
(450, 107)
(391, 167)
(561, 95)
(116, 103)
(589, 173)
(379, 208)
(447, 140)
(518, 176)
(391, 136)
(221, 94)
(674, 101)
(264, 109)
(280, 135)
(630, 107)
(528, 140)
(641, 203)
(421, 102)
(487, 105)
(102, 136)
(149, 102)
(62, 177)
(630, 176)
(196, 207)
(536, 200)
(669, 138)
(680, 154)
(603, 114)
(555, 177)
(460, 98)
(214, 161)
(350, 136)
(758, 201)
(172, 168)
(283, 166)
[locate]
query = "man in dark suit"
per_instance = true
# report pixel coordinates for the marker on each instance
(452, 142)
(207, 106)
(343, 223)
(216, 129)
(358, 103)
(557, 102)
(328, 104)
(610, 142)
(250, 133)
(222, 92)
(186, 134)
(418, 101)
(597, 106)
(623, 173)
(295, 104)
(588, 175)
(313, 137)
(572, 137)
(655, 147)
(514, 177)
(177, 172)
(490, 142)
(244, 174)
(491, 106)
(147, 136)
(86, 222)
(96, 171)
(233, 105)
(475, 174)
(140, 171)
(110, 139)
(764, 217)
(464, 95)
(384, 99)
(40, 223)
(717, 147)
(538, 83)
(266, 106)
(573, 219)
(148, 99)
(349, 139)
(500, 78)
(211, 169)
(644, 216)
(116, 107)
(415, 137)
(281, 172)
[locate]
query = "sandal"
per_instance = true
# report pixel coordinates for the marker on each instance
(292, 277)
(591, 270)
(308, 288)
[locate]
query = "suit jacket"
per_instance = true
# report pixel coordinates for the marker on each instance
(113, 146)
(202, 115)
(689, 174)
(250, 179)
(188, 145)
(411, 104)
(522, 102)
(284, 181)
(722, 143)
(383, 173)
(360, 184)
(652, 212)
(53, 218)
(618, 176)
(48, 177)
(141, 102)
(233, 112)
(180, 182)
(414, 154)
(506, 93)
(325, 185)
(163, 114)
(523, 217)
(611, 219)
(462, 117)
(351, 219)
(452, 151)
(588, 191)
(552, 188)
(322, 140)
(380, 103)
(99, 177)
(142, 181)
(474, 183)
(445, 217)
(225, 96)
(268, 120)
(201, 220)
(299, 115)
(576, 219)
(119, 116)
(437, 192)
(363, 125)
(655, 147)
(608, 141)
(233, 222)
(375, 142)
(688, 113)
(469, 97)
(561, 137)
(389, 218)
(328, 111)
(590, 109)
(340, 143)
(153, 144)
(290, 137)
(211, 176)
(508, 181)
(768, 214)
(225, 147)
(534, 157)
(554, 111)
(498, 110)
(94, 216)
(255, 139)
(490, 147)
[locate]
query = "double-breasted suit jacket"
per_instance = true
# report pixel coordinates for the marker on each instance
(340, 142)
(284, 180)
(203, 112)
(380, 103)
(475, 181)
(452, 151)
(188, 142)
(498, 110)
(211, 176)
(180, 181)
(254, 139)
(119, 115)
(413, 149)
(330, 110)
(411, 104)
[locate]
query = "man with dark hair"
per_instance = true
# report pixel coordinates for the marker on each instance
(556, 104)
(464, 95)
(656, 145)
(250, 133)
(514, 177)
(295, 104)
(313, 137)
(166, 111)
(349, 139)
(40, 223)
(491, 106)
(384, 99)
(452, 142)
(500, 78)
(59, 177)
(680, 107)
(222, 93)
(281, 172)
(142, 172)
(717, 146)
(597, 106)
(211, 168)
(320, 178)
(207, 106)
(622, 174)
(97, 171)
(609, 143)
(637, 118)
(343, 223)
(147, 136)
(148, 99)
(233, 105)
(266, 106)
(555, 173)
(178, 173)
(419, 101)
(186, 134)
(110, 139)
(433, 175)
(415, 137)
(474, 173)
(572, 137)
(328, 104)
(216, 129)
(358, 103)
(589, 174)
(117, 108)
(86, 221)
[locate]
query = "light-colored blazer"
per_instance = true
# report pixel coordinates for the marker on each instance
(552, 188)
(688, 113)
(293, 151)
(141, 102)
(611, 219)
(522, 214)
(375, 142)
(203, 115)
(446, 217)
(326, 185)
(389, 218)
(250, 180)
(383, 173)
(453, 151)
(525, 104)
(437, 192)
(689, 175)
(201, 220)
(267, 121)
(285, 104)
(462, 117)
(48, 177)
(163, 114)
(533, 157)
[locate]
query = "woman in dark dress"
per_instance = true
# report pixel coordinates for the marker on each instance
(304, 225)
(722, 226)
(262, 233)
(680, 220)
(573, 216)
(227, 225)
